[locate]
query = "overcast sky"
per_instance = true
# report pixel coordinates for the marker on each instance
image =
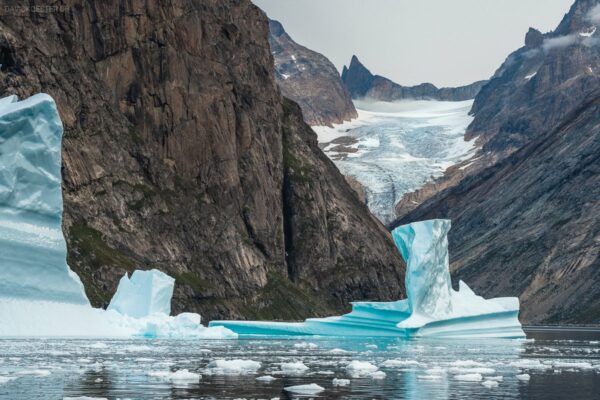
(446, 42)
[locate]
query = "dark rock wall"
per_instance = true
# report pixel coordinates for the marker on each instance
(180, 154)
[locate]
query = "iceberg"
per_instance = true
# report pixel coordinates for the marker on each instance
(146, 293)
(40, 296)
(432, 308)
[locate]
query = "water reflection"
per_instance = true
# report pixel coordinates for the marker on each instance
(558, 367)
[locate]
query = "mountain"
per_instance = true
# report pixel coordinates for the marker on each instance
(525, 219)
(541, 83)
(179, 153)
(362, 83)
(310, 79)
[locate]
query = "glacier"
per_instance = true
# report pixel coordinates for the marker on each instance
(40, 296)
(432, 308)
(396, 147)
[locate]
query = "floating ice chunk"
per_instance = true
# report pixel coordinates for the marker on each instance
(338, 351)
(340, 382)
(98, 345)
(467, 363)
(433, 308)
(358, 369)
(523, 377)
(144, 294)
(530, 364)
(35, 372)
(312, 388)
(378, 375)
(489, 383)
(569, 364)
(469, 377)
(305, 345)
(325, 373)
(266, 378)
(432, 377)
(233, 367)
(398, 363)
(472, 370)
(179, 376)
(293, 368)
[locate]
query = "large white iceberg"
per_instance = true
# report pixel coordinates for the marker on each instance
(432, 308)
(39, 294)
(146, 293)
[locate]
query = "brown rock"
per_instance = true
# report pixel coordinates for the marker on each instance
(180, 154)
(309, 79)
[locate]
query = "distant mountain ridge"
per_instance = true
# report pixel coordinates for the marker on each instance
(309, 79)
(361, 83)
(540, 83)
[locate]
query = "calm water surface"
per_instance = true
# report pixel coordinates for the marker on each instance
(561, 364)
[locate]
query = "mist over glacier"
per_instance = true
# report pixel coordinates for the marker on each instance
(396, 147)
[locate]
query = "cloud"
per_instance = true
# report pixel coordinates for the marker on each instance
(594, 14)
(559, 42)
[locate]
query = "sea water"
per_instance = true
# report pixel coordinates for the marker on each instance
(550, 364)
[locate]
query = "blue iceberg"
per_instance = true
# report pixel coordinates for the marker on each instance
(433, 308)
(145, 293)
(33, 251)
(40, 295)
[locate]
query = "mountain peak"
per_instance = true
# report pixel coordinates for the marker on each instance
(357, 78)
(276, 28)
(534, 38)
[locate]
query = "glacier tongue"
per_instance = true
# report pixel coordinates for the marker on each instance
(432, 308)
(39, 294)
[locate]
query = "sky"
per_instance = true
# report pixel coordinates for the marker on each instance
(445, 42)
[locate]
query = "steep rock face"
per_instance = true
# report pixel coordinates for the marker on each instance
(362, 83)
(309, 79)
(539, 84)
(174, 158)
(529, 226)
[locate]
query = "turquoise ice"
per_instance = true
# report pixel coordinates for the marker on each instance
(145, 293)
(33, 251)
(433, 307)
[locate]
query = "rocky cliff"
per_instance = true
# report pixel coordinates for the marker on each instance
(541, 83)
(525, 210)
(362, 83)
(181, 154)
(309, 79)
